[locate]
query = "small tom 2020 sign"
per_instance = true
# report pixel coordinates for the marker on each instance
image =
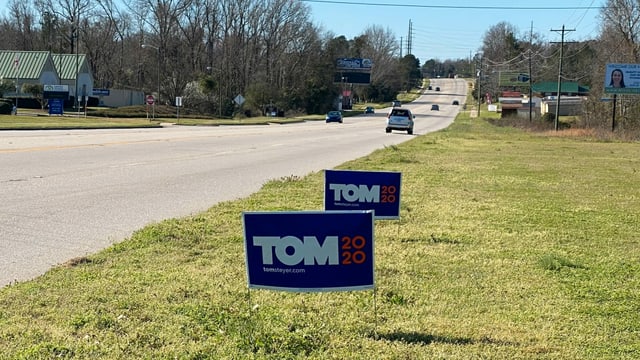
(363, 190)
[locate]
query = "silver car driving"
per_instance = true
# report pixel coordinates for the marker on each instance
(400, 119)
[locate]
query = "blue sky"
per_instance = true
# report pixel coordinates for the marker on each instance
(455, 29)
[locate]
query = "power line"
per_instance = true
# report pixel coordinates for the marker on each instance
(470, 7)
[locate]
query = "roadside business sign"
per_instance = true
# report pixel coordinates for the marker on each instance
(55, 91)
(363, 190)
(357, 64)
(353, 71)
(101, 92)
(56, 106)
(513, 78)
(622, 79)
(309, 251)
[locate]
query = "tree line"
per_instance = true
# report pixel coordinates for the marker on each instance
(271, 52)
(210, 51)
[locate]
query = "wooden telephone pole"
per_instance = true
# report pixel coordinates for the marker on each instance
(560, 73)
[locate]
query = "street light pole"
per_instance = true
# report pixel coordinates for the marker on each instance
(158, 73)
(16, 64)
(344, 88)
(218, 84)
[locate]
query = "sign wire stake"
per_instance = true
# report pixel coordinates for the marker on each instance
(375, 313)
(252, 341)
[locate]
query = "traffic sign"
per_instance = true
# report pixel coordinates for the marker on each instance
(150, 99)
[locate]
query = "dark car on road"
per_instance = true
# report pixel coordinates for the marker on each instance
(369, 110)
(334, 116)
(435, 107)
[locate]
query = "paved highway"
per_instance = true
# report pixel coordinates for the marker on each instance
(65, 194)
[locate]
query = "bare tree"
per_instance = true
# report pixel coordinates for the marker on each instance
(500, 43)
(160, 29)
(115, 65)
(619, 42)
(383, 49)
(68, 13)
(621, 29)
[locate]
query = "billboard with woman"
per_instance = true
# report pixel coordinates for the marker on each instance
(622, 79)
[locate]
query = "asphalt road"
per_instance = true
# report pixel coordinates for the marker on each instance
(65, 194)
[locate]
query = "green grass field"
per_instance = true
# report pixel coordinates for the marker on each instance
(511, 245)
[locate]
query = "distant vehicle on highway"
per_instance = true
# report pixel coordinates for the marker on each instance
(334, 116)
(437, 88)
(400, 119)
(369, 110)
(455, 102)
(396, 103)
(435, 107)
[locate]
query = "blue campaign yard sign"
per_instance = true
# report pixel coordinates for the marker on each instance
(363, 190)
(309, 251)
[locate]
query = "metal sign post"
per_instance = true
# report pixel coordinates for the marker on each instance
(151, 101)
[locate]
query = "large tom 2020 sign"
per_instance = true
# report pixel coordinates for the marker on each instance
(309, 251)
(363, 190)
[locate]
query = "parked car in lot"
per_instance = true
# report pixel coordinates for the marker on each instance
(396, 103)
(435, 107)
(369, 110)
(334, 116)
(400, 119)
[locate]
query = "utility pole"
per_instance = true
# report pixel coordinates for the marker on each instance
(410, 38)
(560, 73)
(479, 74)
(530, 75)
(613, 117)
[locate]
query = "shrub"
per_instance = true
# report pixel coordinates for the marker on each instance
(6, 106)
(549, 117)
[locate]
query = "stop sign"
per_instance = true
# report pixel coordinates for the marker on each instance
(150, 99)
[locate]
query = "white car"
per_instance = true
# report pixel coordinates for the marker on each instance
(400, 119)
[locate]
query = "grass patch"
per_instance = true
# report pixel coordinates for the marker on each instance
(556, 263)
(134, 117)
(511, 245)
(39, 122)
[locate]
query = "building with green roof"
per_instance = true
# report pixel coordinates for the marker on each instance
(70, 66)
(567, 88)
(42, 67)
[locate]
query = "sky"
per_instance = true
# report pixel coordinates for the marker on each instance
(454, 29)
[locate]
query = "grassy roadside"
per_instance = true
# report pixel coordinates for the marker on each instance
(510, 246)
(9, 122)
(37, 122)
(136, 117)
